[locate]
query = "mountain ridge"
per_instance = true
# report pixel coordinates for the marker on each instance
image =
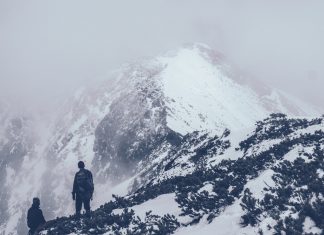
(143, 112)
(264, 191)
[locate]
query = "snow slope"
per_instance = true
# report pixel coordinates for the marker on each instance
(264, 190)
(201, 94)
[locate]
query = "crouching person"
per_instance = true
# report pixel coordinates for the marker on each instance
(35, 218)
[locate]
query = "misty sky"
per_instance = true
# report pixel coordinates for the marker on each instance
(48, 48)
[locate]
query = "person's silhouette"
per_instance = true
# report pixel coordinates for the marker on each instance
(83, 188)
(35, 218)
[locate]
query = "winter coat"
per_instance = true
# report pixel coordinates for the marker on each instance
(35, 218)
(83, 184)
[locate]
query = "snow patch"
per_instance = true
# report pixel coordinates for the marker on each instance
(309, 226)
(320, 173)
(258, 184)
(162, 205)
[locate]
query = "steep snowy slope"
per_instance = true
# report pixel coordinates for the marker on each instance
(126, 128)
(275, 186)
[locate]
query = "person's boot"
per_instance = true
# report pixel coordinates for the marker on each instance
(88, 214)
(78, 215)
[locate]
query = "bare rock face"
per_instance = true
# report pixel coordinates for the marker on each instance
(133, 128)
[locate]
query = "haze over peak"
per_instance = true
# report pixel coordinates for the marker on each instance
(49, 48)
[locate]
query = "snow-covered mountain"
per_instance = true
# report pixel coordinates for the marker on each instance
(148, 125)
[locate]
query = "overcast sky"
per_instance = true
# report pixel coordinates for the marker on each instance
(49, 47)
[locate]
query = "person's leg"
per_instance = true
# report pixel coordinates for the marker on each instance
(78, 205)
(87, 205)
(32, 231)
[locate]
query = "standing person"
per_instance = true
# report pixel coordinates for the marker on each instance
(35, 218)
(83, 188)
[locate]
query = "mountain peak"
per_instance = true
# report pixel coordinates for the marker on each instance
(201, 93)
(164, 117)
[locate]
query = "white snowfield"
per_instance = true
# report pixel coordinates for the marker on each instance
(199, 94)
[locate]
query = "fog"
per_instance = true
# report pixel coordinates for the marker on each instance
(48, 48)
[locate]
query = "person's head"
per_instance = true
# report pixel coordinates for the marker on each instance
(36, 202)
(81, 164)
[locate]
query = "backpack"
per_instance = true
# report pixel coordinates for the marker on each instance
(84, 182)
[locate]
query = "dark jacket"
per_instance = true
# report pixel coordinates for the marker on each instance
(83, 183)
(35, 218)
